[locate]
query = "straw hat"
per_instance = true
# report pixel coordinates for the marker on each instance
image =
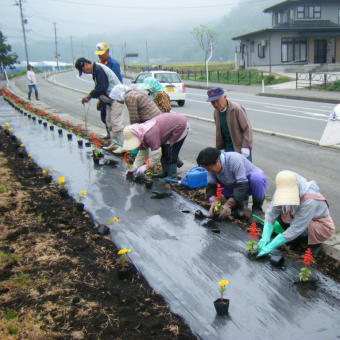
(287, 190)
(130, 140)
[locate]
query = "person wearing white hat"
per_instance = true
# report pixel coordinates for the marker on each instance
(302, 211)
(164, 135)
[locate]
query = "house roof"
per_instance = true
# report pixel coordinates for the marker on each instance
(301, 26)
(287, 3)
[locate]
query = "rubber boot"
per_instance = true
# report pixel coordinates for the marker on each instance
(164, 172)
(172, 171)
(108, 136)
(120, 140)
(256, 209)
(179, 163)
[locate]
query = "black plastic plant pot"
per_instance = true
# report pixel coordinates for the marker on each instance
(29, 116)
(148, 184)
(103, 229)
(63, 193)
(60, 131)
(48, 179)
(69, 136)
(51, 127)
(34, 118)
(80, 206)
(96, 160)
(7, 132)
(45, 124)
(124, 273)
(276, 260)
(25, 113)
(87, 144)
(40, 121)
(222, 306)
(80, 143)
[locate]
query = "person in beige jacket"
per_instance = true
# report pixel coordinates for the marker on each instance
(233, 128)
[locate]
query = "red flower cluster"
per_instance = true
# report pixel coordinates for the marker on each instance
(308, 257)
(125, 157)
(68, 124)
(95, 142)
(253, 231)
(219, 190)
(78, 129)
(58, 120)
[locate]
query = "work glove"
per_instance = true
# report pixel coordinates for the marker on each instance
(141, 170)
(266, 234)
(212, 201)
(245, 152)
(278, 241)
(225, 211)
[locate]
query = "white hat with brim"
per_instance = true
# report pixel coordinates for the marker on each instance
(131, 141)
(287, 189)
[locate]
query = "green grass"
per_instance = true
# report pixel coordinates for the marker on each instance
(4, 257)
(21, 279)
(3, 188)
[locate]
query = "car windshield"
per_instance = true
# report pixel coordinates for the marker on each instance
(167, 77)
(142, 76)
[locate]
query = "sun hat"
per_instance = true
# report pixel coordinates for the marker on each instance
(130, 140)
(214, 93)
(101, 48)
(287, 189)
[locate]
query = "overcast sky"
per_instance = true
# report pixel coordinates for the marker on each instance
(80, 18)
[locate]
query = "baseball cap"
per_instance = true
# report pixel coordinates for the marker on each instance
(214, 93)
(80, 64)
(101, 48)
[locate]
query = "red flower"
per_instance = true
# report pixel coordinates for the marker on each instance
(68, 124)
(219, 190)
(126, 160)
(253, 231)
(58, 120)
(78, 128)
(95, 142)
(308, 257)
(92, 138)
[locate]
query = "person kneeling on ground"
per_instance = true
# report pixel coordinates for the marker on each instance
(166, 131)
(301, 210)
(239, 179)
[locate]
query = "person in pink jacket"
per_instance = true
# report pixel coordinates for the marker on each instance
(164, 135)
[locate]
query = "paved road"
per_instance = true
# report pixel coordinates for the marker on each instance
(271, 153)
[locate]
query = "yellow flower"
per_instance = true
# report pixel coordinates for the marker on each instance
(54, 169)
(6, 124)
(223, 283)
(45, 172)
(22, 145)
(10, 129)
(83, 192)
(115, 219)
(61, 180)
(124, 251)
(20, 137)
(29, 155)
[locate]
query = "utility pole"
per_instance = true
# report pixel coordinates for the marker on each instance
(23, 22)
(56, 44)
(147, 53)
(72, 49)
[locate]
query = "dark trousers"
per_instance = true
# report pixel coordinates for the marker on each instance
(170, 153)
(30, 87)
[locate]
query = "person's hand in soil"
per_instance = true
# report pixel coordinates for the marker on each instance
(141, 170)
(212, 201)
(225, 211)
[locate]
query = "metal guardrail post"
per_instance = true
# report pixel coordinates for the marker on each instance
(218, 76)
(296, 79)
(310, 80)
(238, 77)
(325, 80)
(195, 75)
(249, 75)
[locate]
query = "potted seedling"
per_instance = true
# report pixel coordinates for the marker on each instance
(69, 129)
(148, 181)
(221, 304)
(79, 135)
(47, 177)
(60, 130)
(305, 272)
(30, 162)
(96, 154)
(61, 181)
(128, 164)
(123, 262)
(251, 246)
(51, 121)
(218, 202)
(80, 197)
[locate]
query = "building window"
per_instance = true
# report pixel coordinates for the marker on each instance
(261, 51)
(293, 49)
(300, 12)
(339, 17)
(291, 14)
(252, 46)
(313, 12)
(279, 18)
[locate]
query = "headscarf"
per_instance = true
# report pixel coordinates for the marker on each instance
(140, 129)
(152, 85)
(118, 92)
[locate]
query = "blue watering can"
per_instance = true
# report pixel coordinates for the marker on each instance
(195, 177)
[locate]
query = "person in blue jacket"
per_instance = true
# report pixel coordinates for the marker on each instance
(103, 52)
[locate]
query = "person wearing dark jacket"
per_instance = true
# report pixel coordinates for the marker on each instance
(105, 80)
(103, 53)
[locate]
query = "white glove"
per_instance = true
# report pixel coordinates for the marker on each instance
(140, 158)
(245, 152)
(141, 170)
(212, 201)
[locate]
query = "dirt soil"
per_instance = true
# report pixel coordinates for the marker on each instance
(58, 277)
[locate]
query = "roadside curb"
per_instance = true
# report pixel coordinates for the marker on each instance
(289, 96)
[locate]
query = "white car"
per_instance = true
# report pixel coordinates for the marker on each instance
(171, 81)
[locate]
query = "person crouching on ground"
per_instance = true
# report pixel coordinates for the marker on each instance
(301, 210)
(164, 135)
(239, 179)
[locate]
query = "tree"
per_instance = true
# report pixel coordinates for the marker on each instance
(206, 38)
(6, 57)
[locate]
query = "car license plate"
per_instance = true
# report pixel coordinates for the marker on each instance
(170, 89)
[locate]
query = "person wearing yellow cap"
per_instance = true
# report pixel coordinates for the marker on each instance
(302, 212)
(110, 117)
